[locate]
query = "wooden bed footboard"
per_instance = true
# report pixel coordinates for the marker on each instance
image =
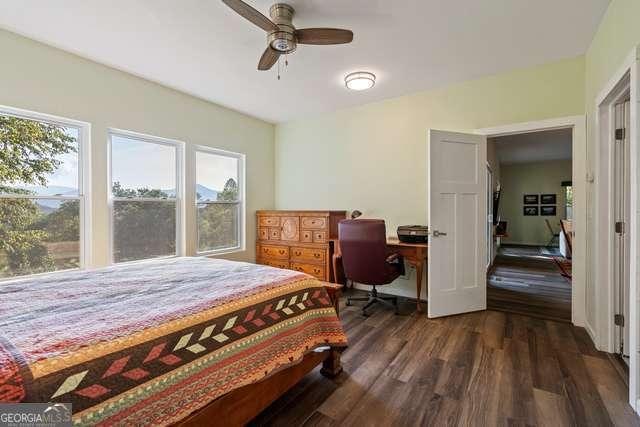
(240, 406)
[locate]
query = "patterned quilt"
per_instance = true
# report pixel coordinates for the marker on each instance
(153, 342)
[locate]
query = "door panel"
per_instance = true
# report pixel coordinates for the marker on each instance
(457, 209)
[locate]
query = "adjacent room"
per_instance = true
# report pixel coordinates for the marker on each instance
(319, 213)
(532, 197)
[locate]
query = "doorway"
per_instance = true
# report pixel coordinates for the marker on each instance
(531, 270)
(576, 193)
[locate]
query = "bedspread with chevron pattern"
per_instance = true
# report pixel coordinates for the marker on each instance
(152, 342)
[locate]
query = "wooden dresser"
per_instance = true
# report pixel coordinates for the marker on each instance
(298, 240)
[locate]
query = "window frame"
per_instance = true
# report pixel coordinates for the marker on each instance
(179, 198)
(241, 158)
(84, 184)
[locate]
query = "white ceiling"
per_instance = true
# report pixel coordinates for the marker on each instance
(203, 48)
(534, 146)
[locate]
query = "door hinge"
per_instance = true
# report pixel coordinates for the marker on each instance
(618, 319)
(620, 133)
(619, 227)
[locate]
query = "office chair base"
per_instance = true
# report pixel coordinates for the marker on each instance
(372, 299)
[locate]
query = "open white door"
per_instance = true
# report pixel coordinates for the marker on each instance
(457, 280)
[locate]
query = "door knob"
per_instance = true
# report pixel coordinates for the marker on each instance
(437, 233)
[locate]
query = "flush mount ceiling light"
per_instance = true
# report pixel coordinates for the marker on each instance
(360, 80)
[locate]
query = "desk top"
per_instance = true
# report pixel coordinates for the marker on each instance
(394, 241)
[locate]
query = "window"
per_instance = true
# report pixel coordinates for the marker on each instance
(568, 197)
(145, 196)
(42, 195)
(219, 200)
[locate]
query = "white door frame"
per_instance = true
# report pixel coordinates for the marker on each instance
(578, 163)
(627, 77)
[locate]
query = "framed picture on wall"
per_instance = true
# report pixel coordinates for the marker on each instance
(530, 210)
(548, 210)
(530, 199)
(548, 199)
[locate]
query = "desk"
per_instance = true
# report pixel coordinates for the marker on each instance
(414, 253)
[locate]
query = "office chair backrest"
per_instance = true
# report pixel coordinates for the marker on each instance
(363, 244)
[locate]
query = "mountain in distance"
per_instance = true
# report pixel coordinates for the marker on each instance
(205, 194)
(51, 190)
(47, 206)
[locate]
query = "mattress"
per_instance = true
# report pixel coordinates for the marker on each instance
(153, 342)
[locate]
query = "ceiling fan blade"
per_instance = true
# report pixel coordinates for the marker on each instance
(251, 14)
(268, 58)
(324, 36)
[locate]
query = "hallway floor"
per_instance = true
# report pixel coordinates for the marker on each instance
(526, 280)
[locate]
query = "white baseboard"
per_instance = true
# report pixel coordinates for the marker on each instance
(592, 334)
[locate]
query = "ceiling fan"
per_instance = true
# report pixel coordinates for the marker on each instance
(282, 36)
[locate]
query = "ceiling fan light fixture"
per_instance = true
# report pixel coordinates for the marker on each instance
(360, 80)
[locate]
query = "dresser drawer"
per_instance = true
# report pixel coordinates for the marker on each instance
(263, 233)
(274, 263)
(307, 254)
(269, 221)
(273, 251)
(316, 271)
(314, 222)
(274, 234)
(319, 236)
(306, 236)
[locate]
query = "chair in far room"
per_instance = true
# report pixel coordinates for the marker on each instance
(367, 260)
(555, 237)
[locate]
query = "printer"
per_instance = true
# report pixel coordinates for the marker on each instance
(413, 233)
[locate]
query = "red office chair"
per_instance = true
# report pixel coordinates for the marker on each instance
(366, 259)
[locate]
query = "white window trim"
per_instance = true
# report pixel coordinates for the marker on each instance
(241, 199)
(179, 199)
(84, 182)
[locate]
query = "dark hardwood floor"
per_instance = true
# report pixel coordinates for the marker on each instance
(485, 368)
(525, 281)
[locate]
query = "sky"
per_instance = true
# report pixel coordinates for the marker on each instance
(139, 164)
(213, 171)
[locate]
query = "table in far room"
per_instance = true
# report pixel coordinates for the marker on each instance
(414, 253)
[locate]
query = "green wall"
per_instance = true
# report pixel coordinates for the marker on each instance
(532, 178)
(48, 80)
(374, 157)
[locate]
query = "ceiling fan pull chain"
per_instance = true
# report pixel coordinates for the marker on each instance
(278, 68)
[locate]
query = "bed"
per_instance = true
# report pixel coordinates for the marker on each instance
(164, 342)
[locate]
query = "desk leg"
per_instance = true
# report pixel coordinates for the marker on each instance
(419, 270)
